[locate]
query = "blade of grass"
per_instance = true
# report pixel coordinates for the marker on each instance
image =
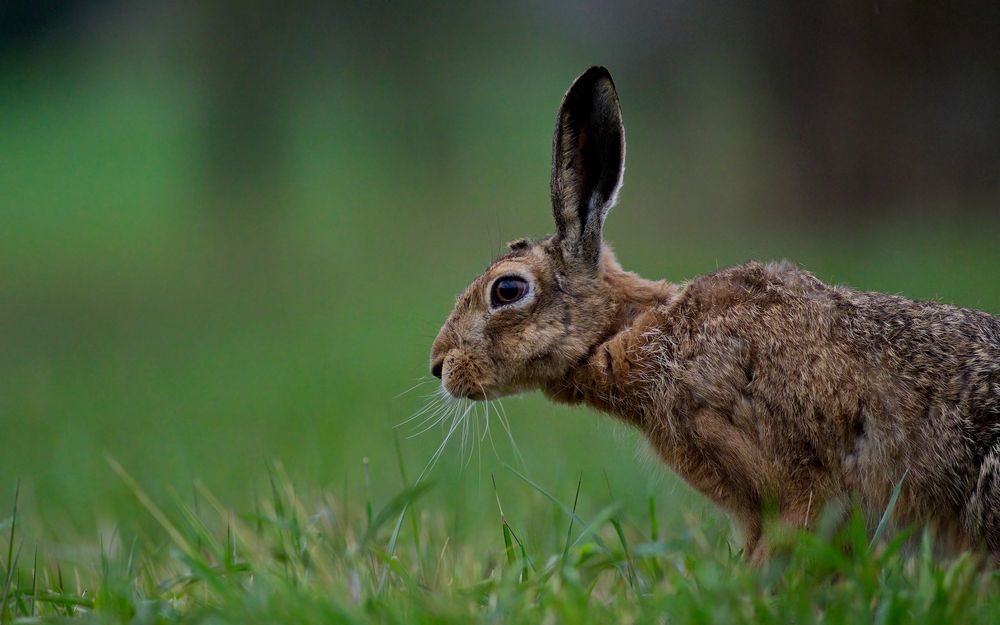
(67, 601)
(34, 582)
(152, 508)
(403, 501)
(413, 513)
(569, 530)
(368, 491)
(654, 525)
(598, 520)
(654, 533)
(204, 539)
(508, 544)
(597, 539)
(630, 573)
(11, 563)
(8, 585)
(887, 514)
(13, 528)
(398, 504)
(391, 550)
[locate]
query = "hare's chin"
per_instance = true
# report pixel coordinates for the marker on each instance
(477, 394)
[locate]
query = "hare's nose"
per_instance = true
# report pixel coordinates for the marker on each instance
(436, 367)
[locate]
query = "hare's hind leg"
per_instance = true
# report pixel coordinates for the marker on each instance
(983, 508)
(753, 541)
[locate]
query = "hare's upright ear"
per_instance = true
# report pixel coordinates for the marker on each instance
(588, 158)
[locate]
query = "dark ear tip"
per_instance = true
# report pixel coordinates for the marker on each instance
(593, 75)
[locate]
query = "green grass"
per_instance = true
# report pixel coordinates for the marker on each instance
(314, 557)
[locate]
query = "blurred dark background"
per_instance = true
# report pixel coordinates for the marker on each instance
(230, 230)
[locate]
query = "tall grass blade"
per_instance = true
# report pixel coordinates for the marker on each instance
(887, 514)
(368, 490)
(401, 502)
(569, 530)
(398, 504)
(630, 573)
(278, 500)
(507, 542)
(34, 583)
(152, 508)
(569, 511)
(414, 526)
(8, 585)
(654, 524)
(11, 564)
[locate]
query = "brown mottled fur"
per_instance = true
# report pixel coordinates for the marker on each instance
(761, 386)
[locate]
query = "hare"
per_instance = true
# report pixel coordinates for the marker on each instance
(761, 386)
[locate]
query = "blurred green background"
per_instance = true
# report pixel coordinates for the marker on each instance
(229, 232)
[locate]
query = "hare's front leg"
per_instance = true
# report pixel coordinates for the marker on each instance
(719, 457)
(708, 453)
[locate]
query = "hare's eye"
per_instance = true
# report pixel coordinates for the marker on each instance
(508, 291)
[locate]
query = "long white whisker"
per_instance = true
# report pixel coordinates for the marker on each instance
(440, 416)
(430, 406)
(490, 433)
(430, 413)
(486, 413)
(504, 421)
(445, 412)
(437, 405)
(479, 445)
(465, 436)
(444, 442)
(437, 454)
(420, 382)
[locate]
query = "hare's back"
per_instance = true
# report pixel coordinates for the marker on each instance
(783, 310)
(947, 355)
(813, 352)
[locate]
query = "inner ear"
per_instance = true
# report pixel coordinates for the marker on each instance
(588, 157)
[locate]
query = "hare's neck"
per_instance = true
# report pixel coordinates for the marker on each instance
(632, 295)
(602, 379)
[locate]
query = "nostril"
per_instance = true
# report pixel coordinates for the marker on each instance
(436, 368)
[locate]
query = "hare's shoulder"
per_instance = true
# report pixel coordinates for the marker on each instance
(753, 284)
(730, 314)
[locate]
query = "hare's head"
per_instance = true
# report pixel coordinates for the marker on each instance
(541, 307)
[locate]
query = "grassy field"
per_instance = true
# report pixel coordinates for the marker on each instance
(318, 558)
(199, 423)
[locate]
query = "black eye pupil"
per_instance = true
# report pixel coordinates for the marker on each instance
(509, 290)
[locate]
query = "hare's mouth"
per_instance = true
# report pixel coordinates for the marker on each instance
(473, 391)
(475, 394)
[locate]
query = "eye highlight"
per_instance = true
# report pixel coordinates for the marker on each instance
(508, 290)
